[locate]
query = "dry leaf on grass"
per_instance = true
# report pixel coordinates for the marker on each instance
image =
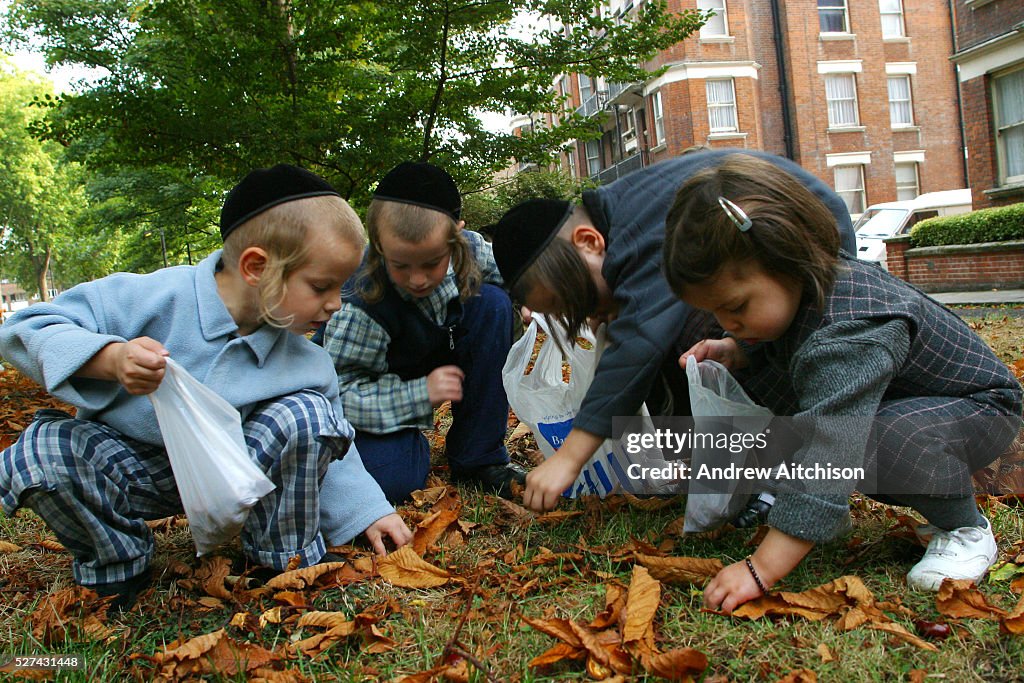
(962, 599)
(441, 522)
(681, 570)
(642, 602)
(339, 628)
(406, 569)
(609, 651)
(51, 544)
(799, 676)
(846, 598)
(212, 653)
(213, 574)
(7, 547)
(424, 497)
(682, 664)
(70, 614)
(558, 516)
(652, 503)
(264, 675)
(303, 578)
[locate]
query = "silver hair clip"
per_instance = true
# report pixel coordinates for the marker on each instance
(735, 214)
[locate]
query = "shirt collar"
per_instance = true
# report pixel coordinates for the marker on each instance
(215, 319)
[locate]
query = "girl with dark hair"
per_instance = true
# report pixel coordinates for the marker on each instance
(882, 382)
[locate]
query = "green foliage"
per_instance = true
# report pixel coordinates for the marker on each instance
(202, 91)
(486, 207)
(41, 196)
(985, 225)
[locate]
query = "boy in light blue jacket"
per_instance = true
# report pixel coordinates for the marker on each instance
(236, 322)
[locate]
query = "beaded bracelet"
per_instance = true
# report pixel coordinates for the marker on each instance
(757, 579)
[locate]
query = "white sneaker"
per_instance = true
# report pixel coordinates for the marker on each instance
(964, 553)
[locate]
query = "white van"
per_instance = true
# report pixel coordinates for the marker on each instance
(890, 219)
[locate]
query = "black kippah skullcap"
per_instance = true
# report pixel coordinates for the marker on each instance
(421, 184)
(524, 232)
(265, 188)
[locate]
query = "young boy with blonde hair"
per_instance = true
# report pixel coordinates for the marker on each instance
(236, 322)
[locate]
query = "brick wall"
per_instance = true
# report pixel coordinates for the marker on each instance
(959, 267)
(975, 25)
(928, 44)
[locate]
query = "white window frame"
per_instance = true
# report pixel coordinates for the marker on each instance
(898, 25)
(627, 128)
(588, 90)
(1007, 130)
(833, 6)
(711, 28)
(833, 120)
(592, 151)
(896, 106)
(904, 190)
(658, 116)
(716, 108)
(852, 195)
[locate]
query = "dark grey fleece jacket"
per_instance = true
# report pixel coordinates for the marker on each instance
(880, 340)
(652, 322)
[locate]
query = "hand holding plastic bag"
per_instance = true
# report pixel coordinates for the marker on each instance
(545, 402)
(217, 481)
(719, 405)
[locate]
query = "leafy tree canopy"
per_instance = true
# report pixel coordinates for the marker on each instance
(41, 196)
(197, 92)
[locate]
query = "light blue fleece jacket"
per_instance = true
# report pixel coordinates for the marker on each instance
(181, 308)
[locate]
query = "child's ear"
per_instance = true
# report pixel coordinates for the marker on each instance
(588, 239)
(460, 225)
(251, 265)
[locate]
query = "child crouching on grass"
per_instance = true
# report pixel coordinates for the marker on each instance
(236, 323)
(424, 321)
(842, 341)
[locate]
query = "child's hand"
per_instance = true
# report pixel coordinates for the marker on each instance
(546, 482)
(445, 384)
(392, 526)
(138, 365)
(731, 587)
(725, 351)
(776, 556)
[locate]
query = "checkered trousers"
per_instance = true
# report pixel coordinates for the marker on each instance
(95, 487)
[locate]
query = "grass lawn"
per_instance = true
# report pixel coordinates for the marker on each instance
(493, 566)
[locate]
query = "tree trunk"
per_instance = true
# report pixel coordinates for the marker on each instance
(42, 270)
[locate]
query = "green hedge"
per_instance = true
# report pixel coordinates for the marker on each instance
(1000, 224)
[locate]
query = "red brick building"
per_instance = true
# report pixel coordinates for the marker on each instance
(861, 93)
(989, 54)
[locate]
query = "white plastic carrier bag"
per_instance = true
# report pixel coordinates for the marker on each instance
(547, 404)
(217, 481)
(720, 406)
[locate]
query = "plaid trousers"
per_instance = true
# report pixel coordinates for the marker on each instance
(96, 488)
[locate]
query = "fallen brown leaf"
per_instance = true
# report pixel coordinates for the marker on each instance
(406, 569)
(682, 664)
(212, 653)
(642, 602)
(303, 578)
(681, 570)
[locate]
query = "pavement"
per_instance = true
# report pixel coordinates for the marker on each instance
(985, 297)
